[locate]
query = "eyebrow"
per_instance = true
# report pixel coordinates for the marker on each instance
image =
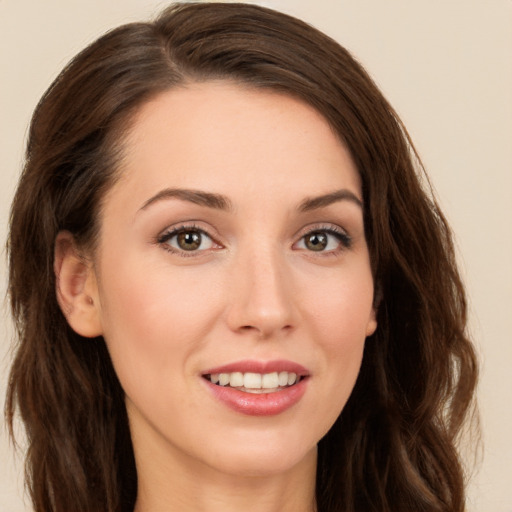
(220, 202)
(325, 200)
(208, 199)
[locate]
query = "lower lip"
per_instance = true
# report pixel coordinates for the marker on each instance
(261, 404)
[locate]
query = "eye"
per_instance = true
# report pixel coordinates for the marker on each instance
(186, 239)
(324, 240)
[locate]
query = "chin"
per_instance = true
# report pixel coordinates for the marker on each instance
(261, 456)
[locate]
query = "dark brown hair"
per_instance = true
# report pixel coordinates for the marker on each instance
(393, 448)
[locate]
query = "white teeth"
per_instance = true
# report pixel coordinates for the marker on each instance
(224, 379)
(292, 377)
(270, 380)
(253, 382)
(236, 380)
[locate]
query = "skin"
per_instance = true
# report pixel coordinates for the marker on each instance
(253, 290)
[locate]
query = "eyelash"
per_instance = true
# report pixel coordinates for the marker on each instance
(343, 238)
(166, 236)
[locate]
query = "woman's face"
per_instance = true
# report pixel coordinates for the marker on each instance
(232, 262)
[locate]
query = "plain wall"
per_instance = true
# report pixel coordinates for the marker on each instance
(446, 66)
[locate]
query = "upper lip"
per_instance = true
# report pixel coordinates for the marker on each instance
(253, 366)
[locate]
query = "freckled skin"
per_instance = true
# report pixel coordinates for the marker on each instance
(257, 292)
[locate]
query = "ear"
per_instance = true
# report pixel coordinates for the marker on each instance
(372, 321)
(76, 287)
(371, 326)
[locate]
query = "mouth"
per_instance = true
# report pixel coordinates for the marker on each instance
(258, 388)
(256, 383)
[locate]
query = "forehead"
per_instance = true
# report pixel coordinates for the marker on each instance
(226, 138)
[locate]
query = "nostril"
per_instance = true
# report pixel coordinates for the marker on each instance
(265, 331)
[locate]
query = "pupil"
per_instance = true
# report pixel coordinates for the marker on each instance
(189, 240)
(316, 241)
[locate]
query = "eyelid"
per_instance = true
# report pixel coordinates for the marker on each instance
(172, 231)
(341, 234)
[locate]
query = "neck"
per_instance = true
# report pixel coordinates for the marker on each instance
(194, 487)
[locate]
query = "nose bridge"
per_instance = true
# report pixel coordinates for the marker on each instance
(261, 296)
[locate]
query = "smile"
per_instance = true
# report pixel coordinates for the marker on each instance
(257, 388)
(251, 382)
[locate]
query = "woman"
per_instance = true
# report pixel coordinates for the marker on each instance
(230, 288)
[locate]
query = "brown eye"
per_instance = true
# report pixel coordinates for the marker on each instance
(316, 241)
(185, 239)
(329, 240)
(189, 240)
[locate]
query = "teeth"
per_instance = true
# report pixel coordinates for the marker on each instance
(270, 380)
(236, 380)
(254, 381)
(224, 379)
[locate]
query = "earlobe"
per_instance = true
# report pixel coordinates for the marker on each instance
(371, 327)
(76, 287)
(372, 322)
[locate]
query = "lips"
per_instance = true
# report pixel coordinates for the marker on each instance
(258, 388)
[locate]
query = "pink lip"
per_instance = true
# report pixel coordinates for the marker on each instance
(263, 404)
(245, 366)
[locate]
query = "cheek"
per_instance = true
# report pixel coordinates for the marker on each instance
(340, 305)
(153, 318)
(338, 315)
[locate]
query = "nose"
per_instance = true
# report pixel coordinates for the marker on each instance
(261, 298)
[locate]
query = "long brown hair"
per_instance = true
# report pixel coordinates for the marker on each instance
(393, 448)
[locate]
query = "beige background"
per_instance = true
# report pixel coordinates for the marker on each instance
(446, 65)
